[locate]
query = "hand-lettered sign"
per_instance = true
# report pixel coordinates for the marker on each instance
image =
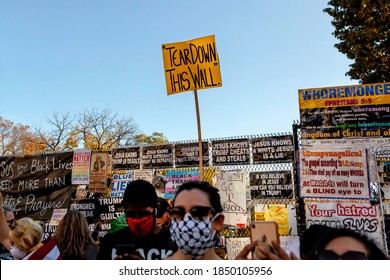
(191, 65)
(36, 185)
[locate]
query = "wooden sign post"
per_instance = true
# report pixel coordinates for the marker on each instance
(192, 65)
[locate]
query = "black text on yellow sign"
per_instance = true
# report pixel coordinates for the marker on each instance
(191, 65)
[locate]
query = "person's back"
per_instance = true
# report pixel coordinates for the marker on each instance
(74, 239)
(142, 238)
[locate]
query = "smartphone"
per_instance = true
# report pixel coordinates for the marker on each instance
(266, 231)
(122, 249)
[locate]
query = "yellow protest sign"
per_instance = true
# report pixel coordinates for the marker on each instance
(191, 65)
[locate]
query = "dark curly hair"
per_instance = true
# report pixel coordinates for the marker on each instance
(212, 192)
(374, 252)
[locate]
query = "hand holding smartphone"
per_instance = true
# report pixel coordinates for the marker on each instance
(126, 252)
(264, 232)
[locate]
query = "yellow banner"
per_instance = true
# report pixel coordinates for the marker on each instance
(275, 212)
(191, 65)
(356, 95)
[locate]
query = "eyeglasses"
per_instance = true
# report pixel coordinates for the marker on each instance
(10, 222)
(138, 214)
(196, 212)
(349, 255)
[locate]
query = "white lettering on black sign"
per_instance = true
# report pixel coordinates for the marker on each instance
(126, 158)
(230, 152)
(157, 156)
(269, 149)
(276, 184)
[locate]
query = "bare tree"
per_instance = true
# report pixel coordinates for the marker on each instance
(60, 135)
(102, 130)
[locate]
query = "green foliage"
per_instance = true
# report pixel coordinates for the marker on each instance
(156, 138)
(363, 30)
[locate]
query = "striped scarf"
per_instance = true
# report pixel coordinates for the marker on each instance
(48, 251)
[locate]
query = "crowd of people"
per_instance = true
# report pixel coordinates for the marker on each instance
(153, 229)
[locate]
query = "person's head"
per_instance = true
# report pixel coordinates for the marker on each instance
(25, 236)
(9, 214)
(202, 191)
(140, 203)
(345, 244)
(72, 234)
(196, 218)
(159, 181)
(309, 238)
(162, 216)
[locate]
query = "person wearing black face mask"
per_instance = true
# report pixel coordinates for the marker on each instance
(143, 238)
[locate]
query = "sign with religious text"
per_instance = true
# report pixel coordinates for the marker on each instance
(36, 185)
(272, 149)
(126, 158)
(157, 156)
(345, 111)
(334, 173)
(271, 184)
(187, 154)
(230, 152)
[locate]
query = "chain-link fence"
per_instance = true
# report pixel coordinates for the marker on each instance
(376, 156)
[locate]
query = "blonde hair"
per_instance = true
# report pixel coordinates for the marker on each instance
(26, 234)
